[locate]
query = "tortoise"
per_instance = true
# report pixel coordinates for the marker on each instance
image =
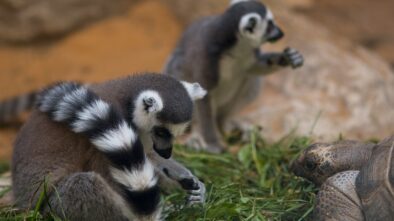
(356, 179)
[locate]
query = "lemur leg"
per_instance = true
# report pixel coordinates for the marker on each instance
(249, 91)
(268, 63)
(338, 200)
(169, 169)
(85, 196)
(206, 134)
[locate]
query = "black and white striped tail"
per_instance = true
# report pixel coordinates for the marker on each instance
(85, 113)
(12, 108)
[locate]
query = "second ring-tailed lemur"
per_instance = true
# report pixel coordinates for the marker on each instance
(223, 54)
(98, 148)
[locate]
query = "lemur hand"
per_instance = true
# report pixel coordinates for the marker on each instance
(194, 187)
(292, 57)
(197, 195)
(195, 190)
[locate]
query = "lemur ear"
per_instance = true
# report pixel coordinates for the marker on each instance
(150, 102)
(195, 91)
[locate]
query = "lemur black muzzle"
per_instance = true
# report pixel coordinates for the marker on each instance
(274, 33)
(165, 153)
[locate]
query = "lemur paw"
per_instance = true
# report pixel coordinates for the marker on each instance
(293, 57)
(196, 142)
(194, 187)
(196, 195)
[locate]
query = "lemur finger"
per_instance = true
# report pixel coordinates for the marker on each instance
(197, 191)
(195, 199)
(297, 64)
(298, 59)
(290, 50)
(189, 183)
(200, 192)
(296, 54)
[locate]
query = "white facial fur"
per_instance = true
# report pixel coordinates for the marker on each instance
(147, 105)
(177, 129)
(259, 30)
(194, 90)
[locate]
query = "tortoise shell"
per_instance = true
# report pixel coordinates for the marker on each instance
(375, 183)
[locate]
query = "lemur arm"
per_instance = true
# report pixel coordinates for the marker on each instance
(85, 113)
(173, 170)
(272, 61)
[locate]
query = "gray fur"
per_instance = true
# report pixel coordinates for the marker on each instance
(213, 53)
(85, 196)
(48, 150)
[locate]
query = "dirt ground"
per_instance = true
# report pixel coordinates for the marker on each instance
(141, 40)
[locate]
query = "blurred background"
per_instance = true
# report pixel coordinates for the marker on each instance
(346, 87)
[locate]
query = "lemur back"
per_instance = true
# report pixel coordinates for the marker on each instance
(84, 142)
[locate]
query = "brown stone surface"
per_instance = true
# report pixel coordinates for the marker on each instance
(26, 20)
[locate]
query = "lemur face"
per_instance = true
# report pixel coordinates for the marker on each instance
(259, 26)
(163, 136)
(149, 106)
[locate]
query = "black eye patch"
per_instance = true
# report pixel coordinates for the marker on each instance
(162, 132)
(251, 25)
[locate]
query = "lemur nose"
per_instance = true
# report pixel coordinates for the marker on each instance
(165, 153)
(274, 33)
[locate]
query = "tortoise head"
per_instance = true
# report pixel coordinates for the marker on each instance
(322, 160)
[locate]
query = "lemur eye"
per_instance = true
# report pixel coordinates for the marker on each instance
(310, 165)
(162, 132)
(251, 25)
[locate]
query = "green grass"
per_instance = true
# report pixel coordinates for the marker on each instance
(253, 182)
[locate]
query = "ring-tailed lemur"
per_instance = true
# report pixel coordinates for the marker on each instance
(101, 160)
(223, 54)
